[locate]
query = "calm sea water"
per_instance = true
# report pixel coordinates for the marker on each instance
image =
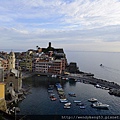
(90, 62)
(39, 103)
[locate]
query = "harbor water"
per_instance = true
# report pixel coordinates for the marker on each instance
(39, 103)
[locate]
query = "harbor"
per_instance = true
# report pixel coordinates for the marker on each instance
(60, 95)
(89, 78)
(52, 100)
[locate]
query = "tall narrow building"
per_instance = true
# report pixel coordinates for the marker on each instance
(11, 60)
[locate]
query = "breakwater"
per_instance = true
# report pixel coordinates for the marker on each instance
(114, 88)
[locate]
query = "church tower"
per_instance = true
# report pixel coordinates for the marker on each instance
(11, 60)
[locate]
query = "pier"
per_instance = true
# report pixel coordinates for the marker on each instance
(92, 80)
(114, 88)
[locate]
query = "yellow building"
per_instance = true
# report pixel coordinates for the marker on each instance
(2, 90)
(2, 97)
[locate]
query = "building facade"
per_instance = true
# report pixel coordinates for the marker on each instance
(4, 63)
(13, 78)
(2, 97)
(2, 90)
(1, 74)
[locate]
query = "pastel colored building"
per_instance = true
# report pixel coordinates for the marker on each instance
(26, 63)
(4, 63)
(1, 74)
(46, 66)
(2, 90)
(2, 97)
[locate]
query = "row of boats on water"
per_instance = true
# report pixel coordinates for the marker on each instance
(98, 86)
(97, 104)
(67, 104)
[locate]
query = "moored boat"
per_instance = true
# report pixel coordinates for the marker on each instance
(82, 106)
(97, 86)
(67, 107)
(77, 101)
(63, 100)
(53, 99)
(92, 100)
(50, 91)
(100, 105)
(67, 104)
(79, 104)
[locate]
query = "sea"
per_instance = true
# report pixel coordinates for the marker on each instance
(39, 103)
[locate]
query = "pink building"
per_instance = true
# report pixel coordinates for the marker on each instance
(46, 66)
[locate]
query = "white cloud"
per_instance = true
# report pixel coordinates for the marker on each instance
(65, 22)
(82, 13)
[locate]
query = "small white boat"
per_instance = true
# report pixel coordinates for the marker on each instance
(97, 86)
(92, 100)
(77, 101)
(100, 105)
(67, 104)
(67, 107)
(63, 100)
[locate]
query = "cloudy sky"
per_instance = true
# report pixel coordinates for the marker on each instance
(76, 25)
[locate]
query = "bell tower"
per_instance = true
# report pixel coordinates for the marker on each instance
(11, 60)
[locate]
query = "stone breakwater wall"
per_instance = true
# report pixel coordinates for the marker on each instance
(114, 88)
(101, 82)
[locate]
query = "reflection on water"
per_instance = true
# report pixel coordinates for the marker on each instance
(39, 103)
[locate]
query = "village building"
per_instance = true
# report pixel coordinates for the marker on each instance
(13, 78)
(4, 63)
(3, 106)
(1, 74)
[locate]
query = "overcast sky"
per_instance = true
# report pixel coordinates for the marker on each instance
(76, 25)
